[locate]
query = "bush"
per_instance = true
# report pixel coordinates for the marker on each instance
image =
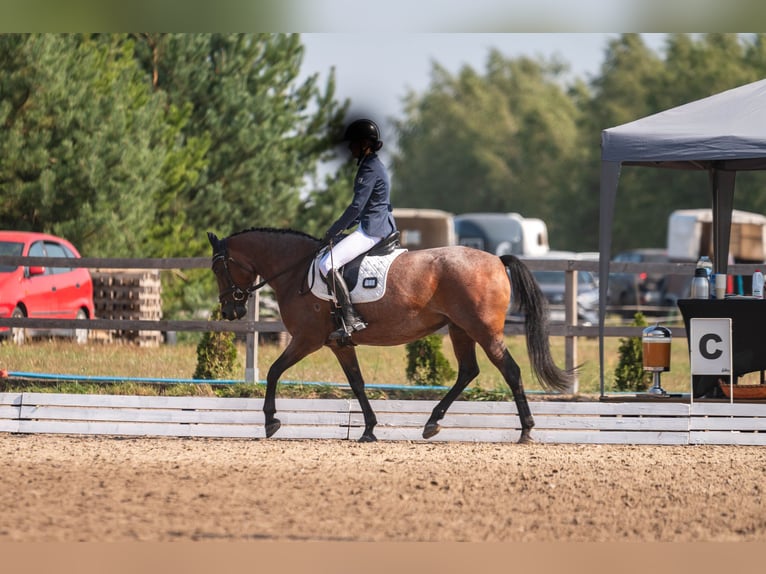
(629, 374)
(216, 353)
(426, 364)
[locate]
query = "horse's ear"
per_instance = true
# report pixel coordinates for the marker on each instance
(212, 238)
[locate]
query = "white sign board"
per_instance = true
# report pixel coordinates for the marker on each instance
(710, 346)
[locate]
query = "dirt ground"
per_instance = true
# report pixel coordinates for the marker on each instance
(104, 489)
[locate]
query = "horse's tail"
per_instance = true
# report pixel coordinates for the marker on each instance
(531, 301)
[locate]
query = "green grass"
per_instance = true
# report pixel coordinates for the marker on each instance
(380, 366)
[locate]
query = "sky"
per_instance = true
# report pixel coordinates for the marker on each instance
(375, 71)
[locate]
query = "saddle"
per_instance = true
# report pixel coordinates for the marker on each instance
(372, 266)
(386, 246)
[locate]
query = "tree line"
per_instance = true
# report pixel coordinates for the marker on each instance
(133, 145)
(518, 136)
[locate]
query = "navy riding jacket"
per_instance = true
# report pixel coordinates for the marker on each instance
(371, 204)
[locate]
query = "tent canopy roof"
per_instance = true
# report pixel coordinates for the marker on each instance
(726, 130)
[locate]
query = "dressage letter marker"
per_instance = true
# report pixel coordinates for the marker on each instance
(711, 346)
(710, 349)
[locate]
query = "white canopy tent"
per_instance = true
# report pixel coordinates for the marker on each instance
(722, 134)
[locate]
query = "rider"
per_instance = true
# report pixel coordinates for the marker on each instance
(370, 208)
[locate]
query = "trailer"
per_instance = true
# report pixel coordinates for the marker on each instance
(424, 228)
(690, 235)
(503, 233)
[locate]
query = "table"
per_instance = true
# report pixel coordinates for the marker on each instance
(748, 332)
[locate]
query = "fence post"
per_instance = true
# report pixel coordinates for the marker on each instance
(251, 340)
(570, 319)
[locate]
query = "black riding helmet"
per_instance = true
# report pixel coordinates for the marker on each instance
(364, 129)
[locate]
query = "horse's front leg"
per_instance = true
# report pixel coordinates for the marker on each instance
(348, 361)
(294, 352)
(272, 423)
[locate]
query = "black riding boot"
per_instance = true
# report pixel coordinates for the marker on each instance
(351, 319)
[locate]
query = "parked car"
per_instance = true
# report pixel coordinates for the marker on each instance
(34, 291)
(553, 282)
(552, 285)
(629, 292)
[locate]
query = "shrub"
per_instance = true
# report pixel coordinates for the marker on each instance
(216, 353)
(629, 374)
(426, 364)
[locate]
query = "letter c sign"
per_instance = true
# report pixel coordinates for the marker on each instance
(710, 346)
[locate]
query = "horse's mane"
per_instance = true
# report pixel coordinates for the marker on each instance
(275, 230)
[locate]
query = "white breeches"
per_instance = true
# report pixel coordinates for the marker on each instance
(346, 250)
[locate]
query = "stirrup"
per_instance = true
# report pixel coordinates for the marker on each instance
(347, 330)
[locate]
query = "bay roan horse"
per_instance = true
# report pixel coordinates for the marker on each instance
(464, 289)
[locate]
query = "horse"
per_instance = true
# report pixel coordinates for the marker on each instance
(461, 288)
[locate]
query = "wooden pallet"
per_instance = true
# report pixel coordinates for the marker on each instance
(129, 295)
(466, 421)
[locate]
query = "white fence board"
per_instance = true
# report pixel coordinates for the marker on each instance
(541, 422)
(7, 412)
(160, 402)
(650, 422)
(183, 416)
(138, 429)
(728, 423)
(10, 399)
(446, 435)
(141, 415)
(727, 437)
(615, 437)
(629, 423)
(729, 409)
(176, 430)
(649, 408)
(7, 425)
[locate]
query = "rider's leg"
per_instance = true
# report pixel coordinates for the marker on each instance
(346, 250)
(351, 319)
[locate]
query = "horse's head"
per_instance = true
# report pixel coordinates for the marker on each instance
(235, 280)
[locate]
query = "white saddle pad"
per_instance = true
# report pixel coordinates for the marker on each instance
(371, 284)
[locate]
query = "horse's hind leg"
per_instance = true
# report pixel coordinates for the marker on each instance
(468, 370)
(502, 359)
(348, 361)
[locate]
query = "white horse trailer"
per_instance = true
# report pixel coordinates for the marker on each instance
(503, 233)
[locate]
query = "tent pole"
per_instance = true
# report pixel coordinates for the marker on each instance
(722, 187)
(610, 176)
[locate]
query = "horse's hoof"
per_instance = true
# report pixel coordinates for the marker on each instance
(272, 427)
(368, 438)
(431, 429)
(526, 438)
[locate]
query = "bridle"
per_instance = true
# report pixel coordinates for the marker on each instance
(237, 292)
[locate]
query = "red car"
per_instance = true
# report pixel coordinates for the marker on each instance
(43, 292)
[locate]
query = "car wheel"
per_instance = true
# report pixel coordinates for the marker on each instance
(18, 334)
(81, 335)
